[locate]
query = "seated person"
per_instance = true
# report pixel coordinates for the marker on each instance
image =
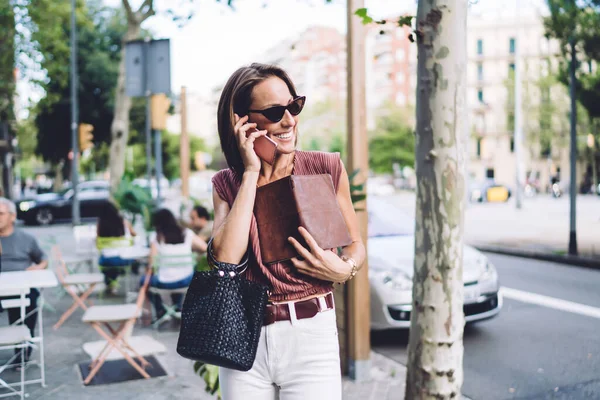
(200, 223)
(112, 225)
(171, 240)
(20, 252)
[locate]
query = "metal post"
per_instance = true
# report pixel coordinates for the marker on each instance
(74, 118)
(518, 134)
(184, 150)
(158, 163)
(573, 184)
(145, 62)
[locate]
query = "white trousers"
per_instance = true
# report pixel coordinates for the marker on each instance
(297, 360)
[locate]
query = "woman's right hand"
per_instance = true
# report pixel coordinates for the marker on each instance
(246, 142)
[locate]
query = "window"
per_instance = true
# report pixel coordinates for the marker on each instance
(511, 67)
(479, 71)
(480, 95)
(489, 173)
(478, 147)
(510, 122)
(545, 94)
(479, 46)
(400, 99)
(400, 54)
(511, 45)
(512, 144)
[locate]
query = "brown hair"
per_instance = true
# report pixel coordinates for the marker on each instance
(236, 98)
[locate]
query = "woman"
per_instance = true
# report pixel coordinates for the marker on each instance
(302, 360)
(117, 229)
(171, 240)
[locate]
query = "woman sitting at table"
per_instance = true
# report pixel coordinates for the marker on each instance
(171, 240)
(116, 229)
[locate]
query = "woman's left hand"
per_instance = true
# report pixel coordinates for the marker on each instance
(319, 263)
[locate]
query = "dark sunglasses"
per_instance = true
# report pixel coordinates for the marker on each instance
(275, 114)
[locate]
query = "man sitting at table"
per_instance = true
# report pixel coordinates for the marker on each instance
(200, 223)
(20, 252)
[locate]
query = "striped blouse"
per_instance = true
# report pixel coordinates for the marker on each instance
(285, 283)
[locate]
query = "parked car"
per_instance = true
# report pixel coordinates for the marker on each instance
(143, 183)
(488, 191)
(391, 257)
(47, 208)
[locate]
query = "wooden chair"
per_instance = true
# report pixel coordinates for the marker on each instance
(79, 285)
(124, 316)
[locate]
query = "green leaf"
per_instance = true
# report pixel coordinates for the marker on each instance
(358, 197)
(362, 13)
(405, 20)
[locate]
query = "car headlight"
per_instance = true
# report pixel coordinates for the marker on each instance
(488, 280)
(393, 279)
(26, 205)
(489, 273)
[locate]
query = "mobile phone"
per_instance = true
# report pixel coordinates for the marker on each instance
(265, 148)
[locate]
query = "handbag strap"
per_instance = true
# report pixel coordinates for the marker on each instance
(226, 267)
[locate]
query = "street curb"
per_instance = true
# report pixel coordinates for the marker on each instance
(586, 262)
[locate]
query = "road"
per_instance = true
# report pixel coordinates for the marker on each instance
(531, 350)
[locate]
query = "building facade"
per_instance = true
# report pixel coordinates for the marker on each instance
(316, 61)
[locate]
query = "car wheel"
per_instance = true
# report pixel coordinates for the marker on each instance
(44, 216)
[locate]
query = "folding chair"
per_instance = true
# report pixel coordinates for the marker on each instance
(79, 285)
(85, 236)
(167, 262)
(125, 315)
(15, 337)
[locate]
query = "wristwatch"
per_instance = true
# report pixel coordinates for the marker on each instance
(354, 269)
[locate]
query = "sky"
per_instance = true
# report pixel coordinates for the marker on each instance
(218, 39)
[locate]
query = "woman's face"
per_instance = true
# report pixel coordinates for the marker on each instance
(274, 92)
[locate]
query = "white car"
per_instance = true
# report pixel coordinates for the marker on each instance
(391, 255)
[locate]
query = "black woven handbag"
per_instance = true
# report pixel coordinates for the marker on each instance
(222, 316)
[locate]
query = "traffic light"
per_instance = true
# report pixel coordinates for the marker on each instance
(159, 104)
(86, 136)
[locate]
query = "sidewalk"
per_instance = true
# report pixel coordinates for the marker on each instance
(387, 381)
(64, 351)
(540, 227)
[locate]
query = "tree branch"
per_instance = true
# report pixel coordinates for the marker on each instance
(128, 10)
(146, 10)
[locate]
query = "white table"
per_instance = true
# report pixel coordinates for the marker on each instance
(128, 253)
(28, 279)
(32, 280)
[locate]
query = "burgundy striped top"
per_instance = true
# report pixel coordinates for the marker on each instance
(285, 283)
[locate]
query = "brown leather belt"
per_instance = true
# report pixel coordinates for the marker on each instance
(304, 309)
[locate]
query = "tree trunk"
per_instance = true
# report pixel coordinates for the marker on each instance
(120, 124)
(437, 321)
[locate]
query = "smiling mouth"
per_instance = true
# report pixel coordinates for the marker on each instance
(284, 136)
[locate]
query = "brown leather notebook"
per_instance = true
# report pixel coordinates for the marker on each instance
(298, 200)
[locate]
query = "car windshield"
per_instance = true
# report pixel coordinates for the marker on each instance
(388, 220)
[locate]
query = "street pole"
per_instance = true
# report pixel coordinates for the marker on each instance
(358, 306)
(74, 119)
(158, 163)
(184, 149)
(146, 53)
(573, 184)
(518, 134)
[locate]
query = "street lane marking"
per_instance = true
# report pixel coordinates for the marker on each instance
(551, 302)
